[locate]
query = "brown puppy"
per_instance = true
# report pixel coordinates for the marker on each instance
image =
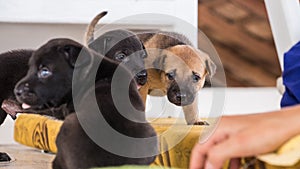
(176, 69)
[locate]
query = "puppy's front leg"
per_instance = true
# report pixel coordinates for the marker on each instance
(144, 92)
(191, 114)
(55, 164)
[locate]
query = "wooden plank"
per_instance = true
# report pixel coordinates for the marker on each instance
(246, 72)
(255, 6)
(233, 81)
(257, 51)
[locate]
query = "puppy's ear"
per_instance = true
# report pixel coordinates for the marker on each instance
(72, 52)
(210, 67)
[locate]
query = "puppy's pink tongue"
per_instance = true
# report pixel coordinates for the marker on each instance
(138, 86)
(25, 106)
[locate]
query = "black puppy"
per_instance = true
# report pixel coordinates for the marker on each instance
(120, 45)
(123, 46)
(13, 67)
(49, 83)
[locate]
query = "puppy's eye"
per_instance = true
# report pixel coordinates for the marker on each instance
(196, 78)
(44, 72)
(171, 75)
(120, 57)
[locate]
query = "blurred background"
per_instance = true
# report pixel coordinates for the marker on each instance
(241, 34)
(239, 29)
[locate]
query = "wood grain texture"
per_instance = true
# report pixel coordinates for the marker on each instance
(241, 34)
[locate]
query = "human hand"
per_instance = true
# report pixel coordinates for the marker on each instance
(242, 136)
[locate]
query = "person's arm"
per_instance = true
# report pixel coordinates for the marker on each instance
(246, 135)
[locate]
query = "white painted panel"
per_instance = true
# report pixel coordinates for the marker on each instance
(7, 132)
(284, 17)
(237, 101)
(82, 11)
(32, 35)
(78, 11)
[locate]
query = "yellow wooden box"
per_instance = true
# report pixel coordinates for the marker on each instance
(176, 140)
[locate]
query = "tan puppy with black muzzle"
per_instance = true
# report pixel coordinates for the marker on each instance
(177, 70)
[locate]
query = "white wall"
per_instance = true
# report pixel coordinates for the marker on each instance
(132, 12)
(33, 35)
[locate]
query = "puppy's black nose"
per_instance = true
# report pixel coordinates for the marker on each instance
(22, 89)
(181, 97)
(18, 92)
(142, 74)
(141, 77)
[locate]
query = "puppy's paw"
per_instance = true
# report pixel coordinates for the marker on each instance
(4, 157)
(201, 123)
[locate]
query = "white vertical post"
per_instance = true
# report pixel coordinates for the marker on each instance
(284, 17)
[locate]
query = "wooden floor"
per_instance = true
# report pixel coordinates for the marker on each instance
(241, 34)
(26, 158)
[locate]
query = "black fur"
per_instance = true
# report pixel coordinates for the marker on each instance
(116, 42)
(75, 147)
(14, 65)
(4, 157)
(41, 93)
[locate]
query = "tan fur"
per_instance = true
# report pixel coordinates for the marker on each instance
(185, 59)
(89, 34)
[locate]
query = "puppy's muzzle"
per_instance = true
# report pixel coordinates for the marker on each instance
(23, 94)
(141, 77)
(180, 97)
